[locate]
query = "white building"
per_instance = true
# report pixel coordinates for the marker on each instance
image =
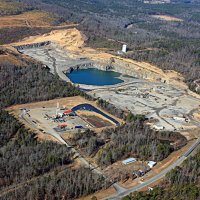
(129, 161)
(182, 119)
(158, 127)
(151, 164)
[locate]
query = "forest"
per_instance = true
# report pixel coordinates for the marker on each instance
(38, 169)
(43, 170)
(29, 82)
(134, 139)
(180, 183)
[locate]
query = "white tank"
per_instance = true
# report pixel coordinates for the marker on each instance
(124, 48)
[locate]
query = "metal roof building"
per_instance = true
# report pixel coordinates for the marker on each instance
(128, 161)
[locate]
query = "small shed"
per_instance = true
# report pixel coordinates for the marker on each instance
(129, 161)
(67, 112)
(151, 164)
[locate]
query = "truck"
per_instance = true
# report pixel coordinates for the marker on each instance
(78, 127)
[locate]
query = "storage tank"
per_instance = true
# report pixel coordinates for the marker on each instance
(124, 47)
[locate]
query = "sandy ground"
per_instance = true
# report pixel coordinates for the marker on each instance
(167, 18)
(36, 19)
(93, 114)
(197, 116)
(11, 59)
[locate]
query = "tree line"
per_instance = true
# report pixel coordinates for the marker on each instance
(133, 139)
(30, 82)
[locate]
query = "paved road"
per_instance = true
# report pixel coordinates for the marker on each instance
(178, 162)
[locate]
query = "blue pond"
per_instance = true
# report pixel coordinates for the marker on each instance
(94, 76)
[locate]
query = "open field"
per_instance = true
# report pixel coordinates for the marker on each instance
(26, 23)
(30, 19)
(167, 18)
(95, 119)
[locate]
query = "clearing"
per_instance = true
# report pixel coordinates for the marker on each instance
(167, 18)
(32, 19)
(53, 117)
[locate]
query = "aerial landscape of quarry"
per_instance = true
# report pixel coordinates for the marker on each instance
(99, 100)
(160, 96)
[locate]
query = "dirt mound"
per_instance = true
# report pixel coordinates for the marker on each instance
(69, 39)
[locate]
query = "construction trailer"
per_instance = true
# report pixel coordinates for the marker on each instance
(62, 126)
(67, 112)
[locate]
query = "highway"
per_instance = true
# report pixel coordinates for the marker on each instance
(159, 176)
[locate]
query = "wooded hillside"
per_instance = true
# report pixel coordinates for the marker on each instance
(37, 170)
